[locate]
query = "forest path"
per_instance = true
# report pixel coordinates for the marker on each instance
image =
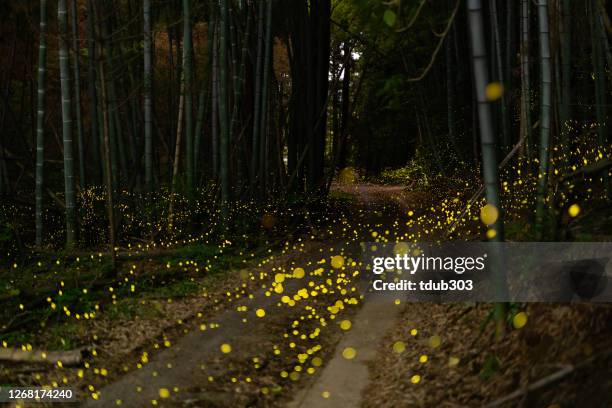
(190, 372)
(343, 380)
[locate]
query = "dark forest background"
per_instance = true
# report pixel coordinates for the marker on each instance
(159, 113)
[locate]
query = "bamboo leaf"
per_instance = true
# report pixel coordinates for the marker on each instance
(390, 18)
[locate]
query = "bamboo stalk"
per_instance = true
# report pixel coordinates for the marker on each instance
(67, 125)
(40, 120)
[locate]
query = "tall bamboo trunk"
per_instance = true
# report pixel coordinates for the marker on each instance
(525, 91)
(346, 108)
(545, 117)
(215, 104)
(69, 186)
(94, 137)
(487, 141)
(598, 44)
(40, 120)
(223, 110)
(265, 86)
(77, 91)
(179, 139)
(242, 71)
(188, 89)
(566, 48)
(203, 101)
(106, 140)
(114, 125)
(450, 88)
(510, 56)
(148, 99)
(255, 166)
(500, 74)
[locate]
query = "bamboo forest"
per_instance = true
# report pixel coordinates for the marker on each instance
(306, 203)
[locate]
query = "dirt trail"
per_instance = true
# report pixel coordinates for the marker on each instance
(185, 373)
(191, 362)
(343, 380)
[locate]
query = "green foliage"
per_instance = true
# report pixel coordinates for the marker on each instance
(490, 367)
(415, 173)
(179, 289)
(130, 309)
(518, 230)
(390, 17)
(74, 299)
(62, 336)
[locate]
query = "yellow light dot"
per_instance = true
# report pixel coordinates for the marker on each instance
(325, 394)
(226, 348)
(423, 359)
(164, 393)
(345, 325)
(413, 332)
(434, 341)
(573, 210)
(491, 233)
(401, 248)
(519, 320)
(260, 313)
(349, 353)
(399, 347)
(337, 261)
(489, 214)
(494, 91)
(415, 379)
(299, 273)
(317, 361)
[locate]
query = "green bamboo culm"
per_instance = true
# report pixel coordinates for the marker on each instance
(188, 78)
(106, 135)
(546, 99)
(233, 34)
(489, 149)
(77, 91)
(264, 94)
(487, 134)
(64, 62)
(203, 101)
(241, 72)
(500, 74)
(566, 70)
(114, 124)
(148, 100)
(40, 120)
(214, 109)
(223, 111)
(525, 81)
(96, 176)
(598, 41)
(257, 103)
